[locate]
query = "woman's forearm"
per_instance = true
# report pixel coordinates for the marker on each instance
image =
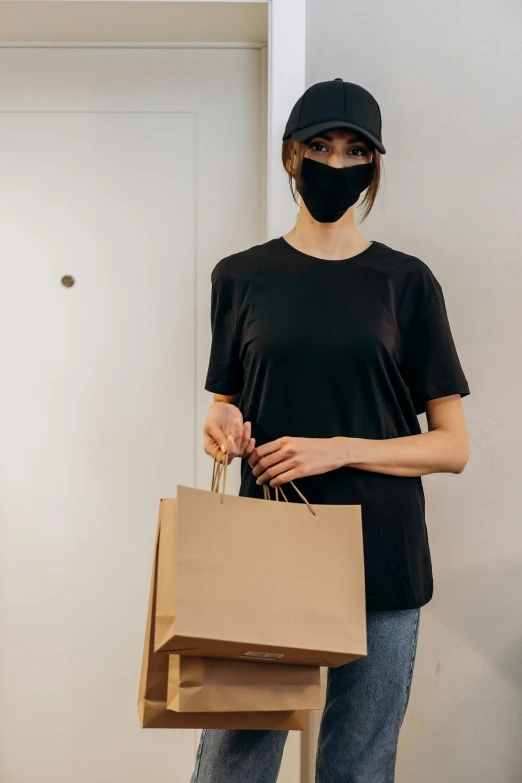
(436, 451)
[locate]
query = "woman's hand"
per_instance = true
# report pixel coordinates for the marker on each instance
(225, 430)
(288, 458)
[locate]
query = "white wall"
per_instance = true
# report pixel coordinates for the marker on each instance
(448, 77)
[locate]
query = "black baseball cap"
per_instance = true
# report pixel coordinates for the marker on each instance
(335, 104)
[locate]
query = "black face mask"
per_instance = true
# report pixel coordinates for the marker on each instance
(328, 191)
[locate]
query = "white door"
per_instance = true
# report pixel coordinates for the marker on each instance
(133, 171)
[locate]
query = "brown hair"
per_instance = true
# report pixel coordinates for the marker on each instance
(292, 147)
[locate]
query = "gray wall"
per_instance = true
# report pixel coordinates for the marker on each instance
(448, 77)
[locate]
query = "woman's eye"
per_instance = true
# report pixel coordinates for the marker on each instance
(315, 145)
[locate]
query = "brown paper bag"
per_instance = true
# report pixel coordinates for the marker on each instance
(217, 685)
(251, 578)
(152, 694)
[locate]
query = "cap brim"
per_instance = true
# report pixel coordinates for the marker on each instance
(303, 134)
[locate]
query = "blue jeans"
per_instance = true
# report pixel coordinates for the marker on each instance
(365, 706)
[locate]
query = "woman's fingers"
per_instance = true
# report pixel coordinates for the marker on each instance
(211, 446)
(235, 437)
(245, 440)
(213, 430)
(232, 447)
(250, 447)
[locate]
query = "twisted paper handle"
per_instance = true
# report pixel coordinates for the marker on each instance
(220, 469)
(220, 462)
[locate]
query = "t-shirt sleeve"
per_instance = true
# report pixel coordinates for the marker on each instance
(432, 366)
(225, 371)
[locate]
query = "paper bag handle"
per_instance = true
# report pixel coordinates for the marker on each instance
(220, 463)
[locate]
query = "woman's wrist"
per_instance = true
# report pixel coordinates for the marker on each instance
(348, 451)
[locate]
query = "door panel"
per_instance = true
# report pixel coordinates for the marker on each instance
(133, 171)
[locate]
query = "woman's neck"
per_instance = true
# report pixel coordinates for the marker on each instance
(332, 241)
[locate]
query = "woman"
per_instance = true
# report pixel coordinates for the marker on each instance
(326, 346)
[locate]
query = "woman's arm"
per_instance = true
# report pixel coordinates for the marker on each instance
(443, 449)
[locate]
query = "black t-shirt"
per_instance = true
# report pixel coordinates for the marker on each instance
(354, 347)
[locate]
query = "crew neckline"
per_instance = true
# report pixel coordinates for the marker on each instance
(327, 261)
